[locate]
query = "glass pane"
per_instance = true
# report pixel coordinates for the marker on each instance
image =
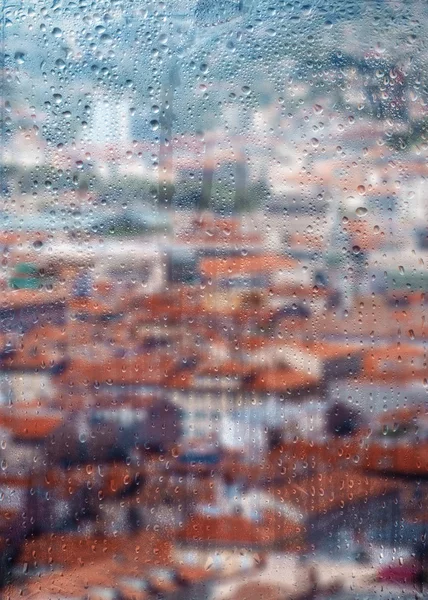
(213, 368)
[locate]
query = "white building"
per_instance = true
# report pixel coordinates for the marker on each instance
(111, 121)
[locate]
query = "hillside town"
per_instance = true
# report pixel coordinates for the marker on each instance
(213, 289)
(181, 435)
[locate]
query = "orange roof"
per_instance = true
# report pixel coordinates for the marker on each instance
(72, 549)
(30, 425)
(208, 219)
(257, 590)
(396, 361)
(152, 369)
(129, 592)
(7, 515)
(11, 238)
(90, 306)
(156, 489)
(364, 235)
(111, 574)
(245, 265)
(291, 292)
(229, 529)
(328, 350)
(280, 380)
(402, 415)
(21, 298)
(319, 455)
(406, 456)
(103, 287)
(115, 477)
(211, 230)
(328, 490)
(307, 240)
(46, 333)
(396, 351)
(225, 368)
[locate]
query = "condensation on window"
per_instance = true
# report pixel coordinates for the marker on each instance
(213, 360)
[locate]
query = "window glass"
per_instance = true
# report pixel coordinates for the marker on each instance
(213, 356)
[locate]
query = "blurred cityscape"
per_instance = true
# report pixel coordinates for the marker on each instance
(213, 288)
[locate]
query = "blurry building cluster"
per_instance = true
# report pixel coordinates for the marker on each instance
(213, 297)
(176, 409)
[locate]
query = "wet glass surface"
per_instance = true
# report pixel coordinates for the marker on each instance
(213, 356)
